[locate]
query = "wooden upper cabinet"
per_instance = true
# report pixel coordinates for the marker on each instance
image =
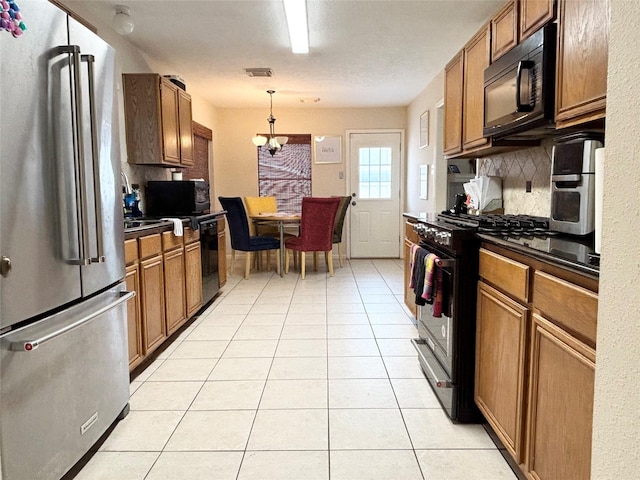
(453, 78)
(534, 14)
(186, 129)
(170, 121)
(158, 121)
(581, 81)
(476, 59)
(504, 30)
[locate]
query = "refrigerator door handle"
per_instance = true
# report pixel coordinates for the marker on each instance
(30, 345)
(78, 157)
(90, 60)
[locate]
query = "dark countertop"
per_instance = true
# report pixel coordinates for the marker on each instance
(139, 227)
(562, 250)
(420, 217)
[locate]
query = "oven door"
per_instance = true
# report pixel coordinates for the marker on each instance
(209, 250)
(438, 331)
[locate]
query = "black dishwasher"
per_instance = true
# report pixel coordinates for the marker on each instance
(209, 251)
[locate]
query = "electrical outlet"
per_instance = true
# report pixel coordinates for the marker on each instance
(528, 186)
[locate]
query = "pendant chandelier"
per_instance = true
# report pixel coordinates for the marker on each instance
(274, 144)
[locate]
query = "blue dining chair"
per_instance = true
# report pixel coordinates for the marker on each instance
(241, 240)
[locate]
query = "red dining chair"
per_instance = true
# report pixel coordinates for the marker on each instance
(316, 231)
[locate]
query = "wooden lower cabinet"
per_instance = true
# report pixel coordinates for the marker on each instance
(409, 295)
(134, 319)
(501, 335)
(193, 277)
(560, 414)
(222, 252)
(165, 271)
(535, 361)
(152, 302)
(174, 289)
(410, 238)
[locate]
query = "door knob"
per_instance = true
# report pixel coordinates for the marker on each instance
(353, 203)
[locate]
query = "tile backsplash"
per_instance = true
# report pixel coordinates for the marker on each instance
(516, 168)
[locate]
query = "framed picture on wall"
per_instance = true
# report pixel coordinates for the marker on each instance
(424, 129)
(327, 148)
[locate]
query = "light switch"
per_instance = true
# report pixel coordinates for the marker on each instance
(341, 175)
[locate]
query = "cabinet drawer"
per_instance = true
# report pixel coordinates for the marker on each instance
(574, 307)
(409, 234)
(508, 275)
(149, 246)
(170, 241)
(130, 251)
(191, 235)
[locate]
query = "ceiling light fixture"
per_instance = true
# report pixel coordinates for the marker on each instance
(296, 13)
(274, 143)
(122, 21)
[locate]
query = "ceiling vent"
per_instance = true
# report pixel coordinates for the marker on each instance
(259, 72)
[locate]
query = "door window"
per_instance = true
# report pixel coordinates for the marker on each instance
(375, 172)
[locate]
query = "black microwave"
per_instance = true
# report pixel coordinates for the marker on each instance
(519, 89)
(176, 198)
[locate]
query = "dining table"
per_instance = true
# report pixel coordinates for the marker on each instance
(281, 220)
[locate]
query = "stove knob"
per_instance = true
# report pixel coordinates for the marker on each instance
(444, 238)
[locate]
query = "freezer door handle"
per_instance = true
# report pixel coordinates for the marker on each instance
(30, 345)
(90, 60)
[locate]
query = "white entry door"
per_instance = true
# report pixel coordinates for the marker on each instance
(375, 191)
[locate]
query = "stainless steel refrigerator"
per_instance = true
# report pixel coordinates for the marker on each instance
(63, 332)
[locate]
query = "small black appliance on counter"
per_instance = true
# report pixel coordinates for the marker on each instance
(177, 198)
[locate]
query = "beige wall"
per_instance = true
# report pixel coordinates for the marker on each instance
(235, 157)
(617, 399)
(436, 191)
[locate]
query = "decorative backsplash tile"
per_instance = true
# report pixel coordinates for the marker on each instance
(516, 168)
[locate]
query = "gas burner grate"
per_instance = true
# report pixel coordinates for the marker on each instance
(499, 223)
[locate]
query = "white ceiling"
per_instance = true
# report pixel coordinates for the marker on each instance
(363, 53)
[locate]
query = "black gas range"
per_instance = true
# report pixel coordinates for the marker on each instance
(446, 343)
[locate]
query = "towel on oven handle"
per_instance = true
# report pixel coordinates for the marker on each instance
(426, 280)
(418, 266)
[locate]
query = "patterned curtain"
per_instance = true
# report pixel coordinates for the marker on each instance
(286, 175)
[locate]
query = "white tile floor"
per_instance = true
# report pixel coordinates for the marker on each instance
(290, 379)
